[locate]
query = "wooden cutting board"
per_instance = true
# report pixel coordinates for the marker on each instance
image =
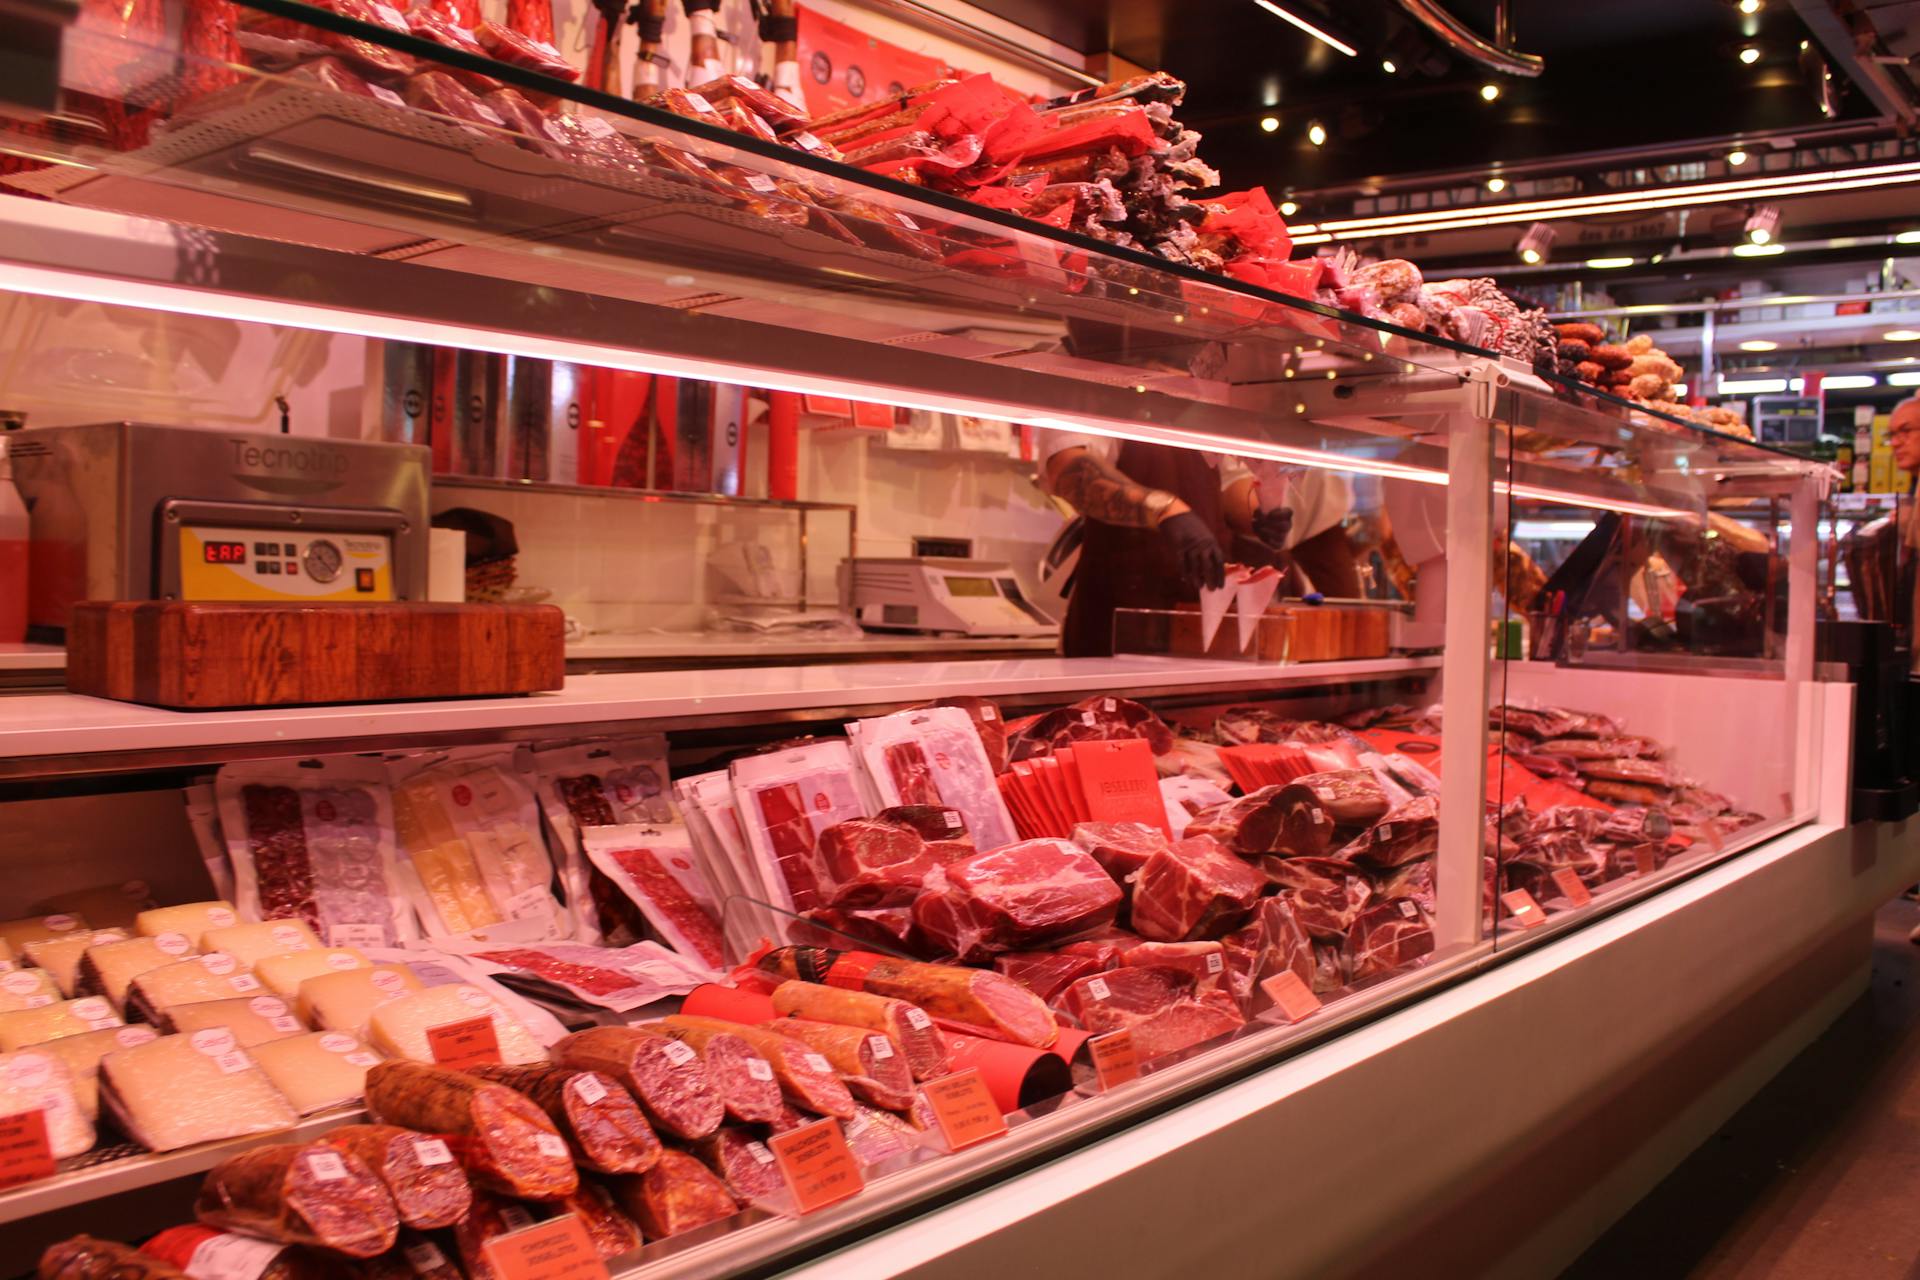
(204, 655)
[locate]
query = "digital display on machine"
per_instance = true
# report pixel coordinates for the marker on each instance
(225, 552)
(971, 587)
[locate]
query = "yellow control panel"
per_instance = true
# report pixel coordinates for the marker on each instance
(284, 564)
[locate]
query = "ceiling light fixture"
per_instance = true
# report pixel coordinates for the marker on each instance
(1288, 208)
(1749, 6)
(1489, 92)
(1318, 33)
(1535, 243)
(1317, 134)
(1848, 382)
(1737, 157)
(1758, 250)
(1610, 264)
(1763, 225)
(1901, 335)
(1750, 55)
(1496, 184)
(1269, 124)
(1759, 344)
(1907, 237)
(1752, 386)
(1386, 65)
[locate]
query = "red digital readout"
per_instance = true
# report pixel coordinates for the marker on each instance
(226, 552)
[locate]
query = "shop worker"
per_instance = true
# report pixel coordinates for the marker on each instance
(1903, 432)
(1160, 522)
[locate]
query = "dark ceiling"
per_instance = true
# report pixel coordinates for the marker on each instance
(1620, 74)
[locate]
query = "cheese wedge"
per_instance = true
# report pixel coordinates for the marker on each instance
(180, 1090)
(214, 976)
(318, 1071)
(345, 1001)
(35, 1081)
(27, 989)
(399, 1028)
(192, 919)
(110, 968)
(252, 943)
(254, 1020)
(283, 974)
(18, 933)
(60, 957)
(82, 1055)
(26, 1027)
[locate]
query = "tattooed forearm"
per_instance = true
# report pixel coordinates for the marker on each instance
(1097, 491)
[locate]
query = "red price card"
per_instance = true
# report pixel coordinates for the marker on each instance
(1643, 859)
(1525, 911)
(25, 1155)
(470, 1042)
(1572, 887)
(964, 1108)
(1292, 997)
(1115, 1060)
(817, 1164)
(557, 1249)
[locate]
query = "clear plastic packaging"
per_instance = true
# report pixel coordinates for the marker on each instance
(934, 757)
(601, 784)
(621, 980)
(34, 1081)
(654, 868)
(785, 800)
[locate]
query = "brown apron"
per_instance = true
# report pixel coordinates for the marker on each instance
(1123, 568)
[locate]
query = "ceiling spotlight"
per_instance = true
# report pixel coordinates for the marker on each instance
(1387, 65)
(1737, 157)
(1750, 55)
(1750, 6)
(1763, 225)
(1757, 250)
(1610, 264)
(1317, 134)
(1907, 237)
(1534, 244)
(1901, 335)
(1759, 344)
(1489, 91)
(1288, 208)
(1269, 124)
(1496, 184)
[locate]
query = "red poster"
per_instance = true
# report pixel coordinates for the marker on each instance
(840, 66)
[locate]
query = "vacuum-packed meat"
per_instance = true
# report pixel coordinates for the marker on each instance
(1351, 797)
(1122, 848)
(1283, 819)
(1096, 719)
(1385, 937)
(664, 1075)
(1408, 833)
(866, 863)
(1191, 890)
(600, 1120)
(1157, 1005)
(1046, 973)
(1015, 897)
(428, 1187)
(311, 1194)
(502, 1137)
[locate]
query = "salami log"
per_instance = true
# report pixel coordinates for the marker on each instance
(988, 1003)
(600, 1119)
(505, 1141)
(664, 1076)
(611, 1230)
(429, 1188)
(912, 1031)
(301, 1193)
(491, 1216)
(206, 1254)
(743, 1079)
(872, 1067)
(744, 1163)
(806, 1078)
(676, 1195)
(85, 1258)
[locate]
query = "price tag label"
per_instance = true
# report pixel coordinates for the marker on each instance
(25, 1154)
(1525, 911)
(964, 1109)
(1572, 887)
(589, 1089)
(470, 1042)
(557, 1249)
(679, 1053)
(1643, 859)
(1292, 997)
(1115, 1060)
(432, 1152)
(817, 1165)
(326, 1166)
(760, 1069)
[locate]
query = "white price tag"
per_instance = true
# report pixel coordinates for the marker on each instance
(230, 1063)
(431, 1152)
(285, 1022)
(326, 1165)
(760, 182)
(230, 1257)
(1408, 910)
(390, 17)
(589, 1089)
(817, 1063)
(425, 1257)
(880, 1047)
(678, 1053)
(550, 1145)
(515, 1218)
(244, 983)
(1099, 988)
(759, 1069)
(758, 1150)
(1215, 963)
(386, 95)
(699, 103)
(596, 127)
(918, 1020)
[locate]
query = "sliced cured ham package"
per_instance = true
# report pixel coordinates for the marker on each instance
(655, 869)
(984, 1003)
(301, 1193)
(935, 757)
(601, 784)
(428, 1187)
(503, 1138)
(620, 979)
(601, 1121)
(785, 799)
(733, 869)
(665, 1076)
(883, 861)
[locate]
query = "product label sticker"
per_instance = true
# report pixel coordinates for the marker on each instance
(596, 127)
(817, 1063)
(221, 918)
(213, 1041)
(425, 1257)
(285, 1022)
(759, 1152)
(390, 17)
(1408, 910)
(244, 983)
(105, 936)
(918, 1020)
(61, 924)
(1216, 962)
(475, 999)
(128, 1037)
(880, 1047)
(1115, 1060)
(388, 980)
(818, 1166)
(588, 1089)
(326, 1165)
(19, 984)
(679, 1053)
(697, 102)
(1099, 988)
(336, 1042)
(515, 1217)
(1572, 887)
(1643, 860)
(229, 1257)
(386, 95)
(550, 1145)
(233, 1063)
(342, 961)
(557, 1249)
(92, 1009)
(964, 1108)
(30, 1071)
(219, 963)
(760, 1069)
(432, 1152)
(38, 1002)
(268, 1006)
(471, 1042)
(760, 182)
(285, 935)
(362, 1059)
(1291, 996)
(1525, 911)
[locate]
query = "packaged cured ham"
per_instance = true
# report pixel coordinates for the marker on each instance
(400, 1027)
(613, 1233)
(719, 840)
(986, 1004)
(1121, 848)
(1046, 973)
(747, 1166)
(428, 1188)
(935, 757)
(252, 943)
(1014, 898)
(472, 854)
(1386, 937)
(85, 1258)
(179, 1090)
(253, 1020)
(806, 1078)
(503, 1138)
(32, 1080)
(674, 1196)
(594, 977)
(906, 1025)
(283, 974)
(864, 863)
(665, 1076)
(205, 1253)
(654, 868)
(215, 976)
(110, 968)
(192, 919)
(509, 46)
(23, 1027)
(1287, 820)
(873, 1069)
(785, 800)
(601, 784)
(345, 1001)
(1160, 1006)
(60, 957)
(1194, 889)
(301, 1193)
(599, 1118)
(313, 841)
(316, 1072)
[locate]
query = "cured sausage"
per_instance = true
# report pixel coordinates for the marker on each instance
(911, 1030)
(301, 1193)
(743, 1079)
(414, 1258)
(988, 1003)
(873, 1069)
(491, 1217)
(744, 1163)
(806, 1078)
(611, 1230)
(505, 1141)
(206, 1254)
(428, 1187)
(85, 1258)
(600, 1120)
(664, 1076)
(676, 1195)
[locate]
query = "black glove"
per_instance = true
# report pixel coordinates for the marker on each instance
(1272, 527)
(1195, 550)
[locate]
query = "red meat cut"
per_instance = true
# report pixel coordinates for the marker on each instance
(1386, 937)
(1206, 962)
(1046, 973)
(1273, 941)
(1013, 898)
(1102, 719)
(944, 829)
(1121, 847)
(1351, 797)
(864, 863)
(1405, 835)
(1157, 1005)
(987, 722)
(1193, 889)
(1286, 820)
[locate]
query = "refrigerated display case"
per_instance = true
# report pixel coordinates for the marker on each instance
(1529, 969)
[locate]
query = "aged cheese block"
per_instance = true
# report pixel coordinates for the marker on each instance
(185, 1089)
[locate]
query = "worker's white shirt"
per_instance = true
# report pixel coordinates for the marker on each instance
(1107, 449)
